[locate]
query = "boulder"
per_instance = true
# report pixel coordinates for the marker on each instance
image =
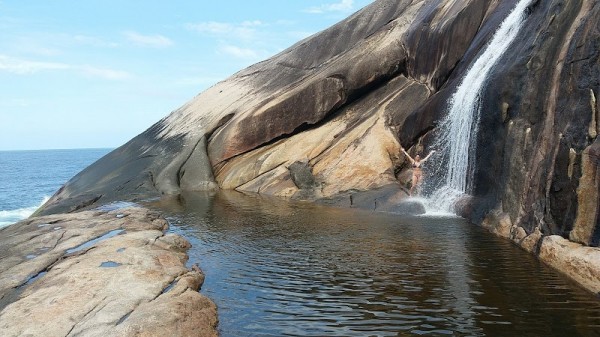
(409, 207)
(586, 229)
(579, 262)
(100, 274)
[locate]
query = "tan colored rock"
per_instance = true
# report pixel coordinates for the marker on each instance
(572, 157)
(593, 128)
(133, 283)
(505, 107)
(530, 242)
(519, 234)
(580, 263)
(588, 198)
(354, 151)
(498, 223)
(576, 261)
(360, 160)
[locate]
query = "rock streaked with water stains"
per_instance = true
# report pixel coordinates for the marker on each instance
(333, 94)
(114, 287)
(535, 124)
(586, 229)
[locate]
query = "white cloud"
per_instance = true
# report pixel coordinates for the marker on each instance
(285, 22)
(43, 45)
(27, 67)
(252, 40)
(16, 102)
(210, 27)
(246, 30)
(43, 51)
(342, 6)
(104, 73)
(93, 41)
(239, 52)
(252, 23)
(22, 67)
(49, 45)
(153, 41)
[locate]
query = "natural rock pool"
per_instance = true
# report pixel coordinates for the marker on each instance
(278, 268)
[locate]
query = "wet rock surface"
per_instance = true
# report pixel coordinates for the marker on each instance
(579, 262)
(575, 260)
(99, 273)
(345, 100)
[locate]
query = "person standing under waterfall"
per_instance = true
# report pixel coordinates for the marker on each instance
(417, 171)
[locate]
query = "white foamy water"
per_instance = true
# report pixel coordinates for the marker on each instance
(9, 217)
(459, 128)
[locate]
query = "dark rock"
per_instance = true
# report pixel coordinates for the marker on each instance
(196, 173)
(383, 199)
(306, 105)
(302, 175)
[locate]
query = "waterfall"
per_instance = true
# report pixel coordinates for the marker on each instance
(458, 136)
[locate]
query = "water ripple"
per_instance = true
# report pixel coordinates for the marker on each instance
(283, 269)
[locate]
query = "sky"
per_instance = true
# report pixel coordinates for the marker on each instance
(95, 73)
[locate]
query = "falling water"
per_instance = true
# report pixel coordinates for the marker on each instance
(459, 128)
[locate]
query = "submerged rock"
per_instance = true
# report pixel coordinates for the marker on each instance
(101, 289)
(575, 260)
(410, 207)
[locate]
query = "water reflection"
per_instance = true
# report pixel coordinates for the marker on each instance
(277, 268)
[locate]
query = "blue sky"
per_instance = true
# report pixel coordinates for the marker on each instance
(95, 73)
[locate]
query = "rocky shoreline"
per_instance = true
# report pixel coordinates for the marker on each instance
(578, 262)
(324, 121)
(100, 273)
(117, 273)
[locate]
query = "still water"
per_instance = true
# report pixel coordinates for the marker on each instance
(276, 268)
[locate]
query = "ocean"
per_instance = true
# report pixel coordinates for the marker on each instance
(29, 178)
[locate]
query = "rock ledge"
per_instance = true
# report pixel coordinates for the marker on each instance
(99, 273)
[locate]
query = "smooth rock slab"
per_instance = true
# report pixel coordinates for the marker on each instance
(579, 262)
(68, 294)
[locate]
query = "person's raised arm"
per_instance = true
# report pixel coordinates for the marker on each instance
(412, 161)
(429, 155)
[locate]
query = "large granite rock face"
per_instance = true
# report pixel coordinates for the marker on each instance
(535, 150)
(344, 101)
(97, 273)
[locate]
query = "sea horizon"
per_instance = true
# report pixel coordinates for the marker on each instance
(28, 178)
(58, 149)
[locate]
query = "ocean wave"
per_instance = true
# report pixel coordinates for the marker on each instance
(11, 216)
